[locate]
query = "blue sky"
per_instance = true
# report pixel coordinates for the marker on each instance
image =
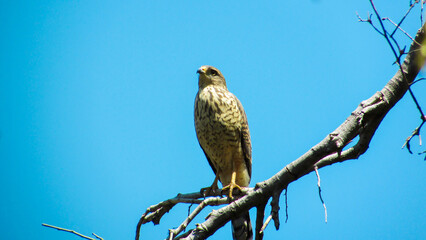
(96, 113)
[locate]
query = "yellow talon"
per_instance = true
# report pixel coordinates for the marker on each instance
(232, 185)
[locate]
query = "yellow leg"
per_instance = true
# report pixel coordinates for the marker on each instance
(232, 184)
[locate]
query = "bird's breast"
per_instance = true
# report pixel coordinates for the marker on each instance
(218, 124)
(216, 108)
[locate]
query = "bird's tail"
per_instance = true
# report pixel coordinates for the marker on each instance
(241, 227)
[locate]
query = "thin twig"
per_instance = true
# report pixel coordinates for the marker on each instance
(400, 22)
(97, 236)
(418, 80)
(385, 33)
(398, 27)
(417, 103)
(265, 224)
(189, 208)
(398, 61)
(416, 132)
(370, 22)
(319, 192)
(70, 231)
(421, 153)
(286, 206)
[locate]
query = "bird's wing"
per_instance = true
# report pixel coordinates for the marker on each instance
(208, 159)
(207, 156)
(245, 137)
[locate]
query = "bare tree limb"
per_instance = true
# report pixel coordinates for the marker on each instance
(155, 212)
(260, 215)
(390, 37)
(72, 231)
(362, 122)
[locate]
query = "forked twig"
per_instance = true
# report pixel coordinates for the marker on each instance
(416, 132)
(155, 212)
(402, 19)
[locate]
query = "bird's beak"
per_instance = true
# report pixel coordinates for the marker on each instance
(201, 70)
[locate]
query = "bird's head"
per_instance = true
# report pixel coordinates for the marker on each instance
(210, 76)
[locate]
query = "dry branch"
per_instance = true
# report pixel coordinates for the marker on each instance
(319, 193)
(72, 231)
(398, 52)
(362, 122)
(260, 215)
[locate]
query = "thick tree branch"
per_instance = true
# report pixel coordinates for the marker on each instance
(362, 122)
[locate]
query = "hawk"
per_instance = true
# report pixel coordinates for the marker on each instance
(223, 133)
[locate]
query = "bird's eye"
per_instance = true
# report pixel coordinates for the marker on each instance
(214, 72)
